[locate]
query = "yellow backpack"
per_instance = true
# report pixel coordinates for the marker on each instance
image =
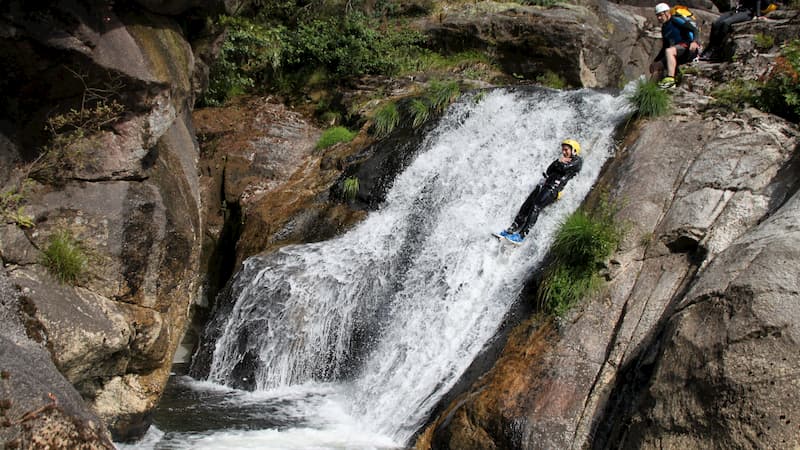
(771, 7)
(686, 13)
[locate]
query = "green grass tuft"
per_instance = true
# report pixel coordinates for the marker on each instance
(420, 112)
(334, 135)
(64, 257)
(441, 94)
(583, 238)
(386, 119)
(581, 246)
(650, 100)
(350, 188)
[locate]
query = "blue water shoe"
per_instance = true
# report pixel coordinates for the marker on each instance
(514, 237)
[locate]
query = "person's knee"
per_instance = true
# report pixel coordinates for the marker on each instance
(671, 52)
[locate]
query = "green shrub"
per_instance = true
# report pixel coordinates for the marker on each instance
(386, 119)
(251, 54)
(259, 53)
(581, 245)
(780, 93)
(350, 188)
(736, 94)
(650, 100)
(335, 135)
(64, 257)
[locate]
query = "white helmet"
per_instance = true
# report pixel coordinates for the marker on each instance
(662, 7)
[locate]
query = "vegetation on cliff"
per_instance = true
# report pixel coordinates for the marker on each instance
(313, 52)
(579, 250)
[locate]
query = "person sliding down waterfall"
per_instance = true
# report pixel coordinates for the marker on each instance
(546, 192)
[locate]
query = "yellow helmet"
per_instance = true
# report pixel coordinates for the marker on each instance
(574, 144)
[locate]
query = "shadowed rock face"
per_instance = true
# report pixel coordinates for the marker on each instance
(129, 194)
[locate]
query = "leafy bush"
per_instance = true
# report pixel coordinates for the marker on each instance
(650, 100)
(581, 245)
(386, 119)
(258, 52)
(64, 257)
(250, 54)
(335, 135)
(780, 93)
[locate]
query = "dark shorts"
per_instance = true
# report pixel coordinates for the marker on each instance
(684, 54)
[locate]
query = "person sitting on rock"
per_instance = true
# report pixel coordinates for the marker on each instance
(546, 192)
(744, 11)
(679, 45)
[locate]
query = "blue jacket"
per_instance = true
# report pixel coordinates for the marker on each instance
(677, 30)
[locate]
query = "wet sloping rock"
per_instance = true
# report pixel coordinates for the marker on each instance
(129, 194)
(725, 372)
(688, 203)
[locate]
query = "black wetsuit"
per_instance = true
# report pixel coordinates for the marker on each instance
(747, 10)
(545, 193)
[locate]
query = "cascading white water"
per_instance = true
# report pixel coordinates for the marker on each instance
(390, 314)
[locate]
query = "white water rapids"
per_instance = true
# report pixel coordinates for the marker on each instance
(357, 338)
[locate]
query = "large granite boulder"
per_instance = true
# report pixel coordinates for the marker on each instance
(127, 190)
(594, 44)
(38, 406)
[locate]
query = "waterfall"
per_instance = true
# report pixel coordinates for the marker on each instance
(392, 313)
